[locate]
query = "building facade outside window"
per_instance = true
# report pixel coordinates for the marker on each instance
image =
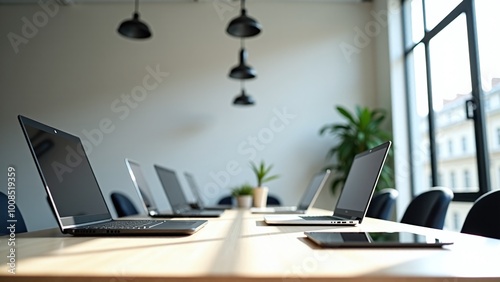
(453, 78)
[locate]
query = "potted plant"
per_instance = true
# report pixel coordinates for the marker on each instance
(262, 174)
(358, 132)
(243, 195)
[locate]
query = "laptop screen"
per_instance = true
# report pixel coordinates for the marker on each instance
(172, 187)
(312, 190)
(194, 188)
(66, 173)
(361, 181)
(141, 185)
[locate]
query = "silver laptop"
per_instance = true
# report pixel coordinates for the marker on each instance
(354, 199)
(144, 193)
(307, 200)
(74, 194)
(177, 199)
(200, 204)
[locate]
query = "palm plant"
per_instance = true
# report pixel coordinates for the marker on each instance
(262, 173)
(360, 132)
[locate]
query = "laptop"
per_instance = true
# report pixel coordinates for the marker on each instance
(177, 199)
(375, 240)
(73, 191)
(354, 199)
(200, 204)
(142, 188)
(307, 200)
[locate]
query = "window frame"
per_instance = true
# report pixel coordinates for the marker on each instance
(466, 7)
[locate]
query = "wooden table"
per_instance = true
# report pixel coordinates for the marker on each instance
(239, 246)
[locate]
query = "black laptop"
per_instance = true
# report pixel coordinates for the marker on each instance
(74, 193)
(177, 199)
(200, 204)
(356, 194)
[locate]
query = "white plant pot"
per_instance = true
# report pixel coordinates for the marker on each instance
(244, 202)
(260, 196)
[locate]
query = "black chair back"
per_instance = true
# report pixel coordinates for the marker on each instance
(483, 218)
(11, 216)
(226, 200)
(271, 201)
(382, 204)
(123, 205)
(429, 208)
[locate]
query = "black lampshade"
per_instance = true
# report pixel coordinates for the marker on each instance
(242, 71)
(134, 28)
(243, 99)
(243, 26)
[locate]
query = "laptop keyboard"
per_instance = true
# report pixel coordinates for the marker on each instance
(126, 224)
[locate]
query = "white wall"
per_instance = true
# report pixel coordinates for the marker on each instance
(391, 89)
(74, 69)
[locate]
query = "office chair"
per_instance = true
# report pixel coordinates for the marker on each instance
(123, 205)
(429, 208)
(226, 200)
(483, 218)
(382, 204)
(271, 200)
(20, 225)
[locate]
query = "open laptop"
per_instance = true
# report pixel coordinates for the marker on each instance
(354, 199)
(200, 204)
(307, 200)
(177, 199)
(142, 188)
(73, 191)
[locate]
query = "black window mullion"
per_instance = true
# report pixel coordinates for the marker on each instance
(431, 120)
(479, 117)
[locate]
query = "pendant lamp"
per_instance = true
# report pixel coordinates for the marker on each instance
(243, 26)
(243, 71)
(243, 99)
(134, 28)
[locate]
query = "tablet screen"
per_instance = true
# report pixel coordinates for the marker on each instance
(374, 239)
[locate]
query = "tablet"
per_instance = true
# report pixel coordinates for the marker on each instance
(375, 240)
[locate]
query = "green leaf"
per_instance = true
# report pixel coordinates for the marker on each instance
(359, 131)
(261, 172)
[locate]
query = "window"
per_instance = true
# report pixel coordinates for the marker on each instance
(435, 11)
(466, 179)
(446, 79)
(498, 136)
(453, 183)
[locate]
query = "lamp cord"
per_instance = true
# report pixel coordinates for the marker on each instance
(136, 6)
